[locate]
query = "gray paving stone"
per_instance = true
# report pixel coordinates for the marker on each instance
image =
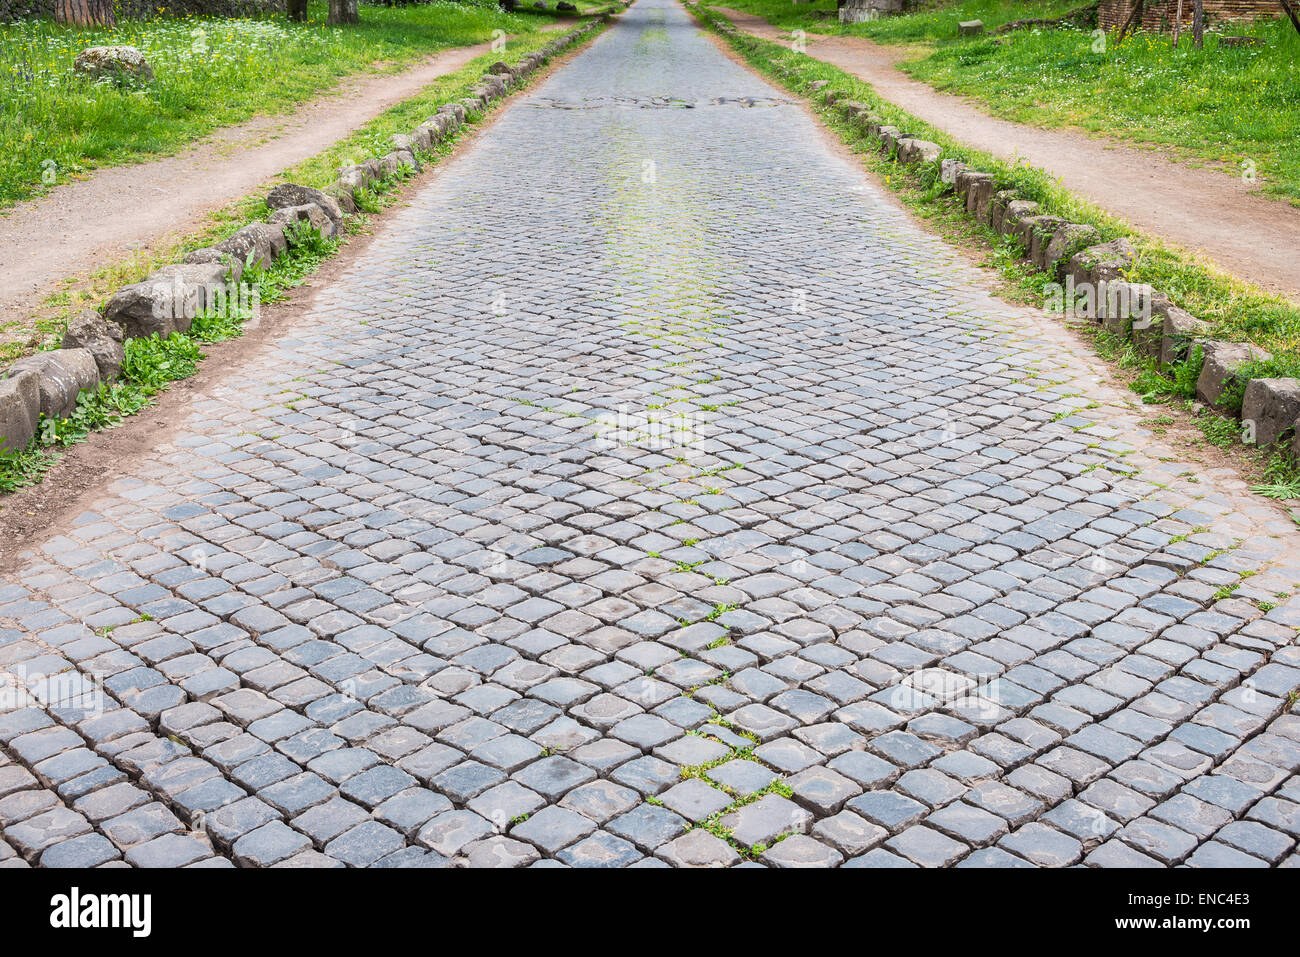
(440, 583)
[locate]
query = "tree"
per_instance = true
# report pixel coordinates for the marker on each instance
(297, 10)
(1290, 12)
(343, 11)
(1134, 18)
(1198, 23)
(84, 13)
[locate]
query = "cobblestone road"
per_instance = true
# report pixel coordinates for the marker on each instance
(651, 489)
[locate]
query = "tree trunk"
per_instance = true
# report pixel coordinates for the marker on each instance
(343, 11)
(297, 10)
(1134, 15)
(84, 13)
(1290, 12)
(1198, 23)
(1178, 23)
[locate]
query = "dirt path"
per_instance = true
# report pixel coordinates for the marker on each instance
(1243, 231)
(84, 225)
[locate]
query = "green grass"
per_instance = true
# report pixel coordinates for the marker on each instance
(1237, 108)
(210, 72)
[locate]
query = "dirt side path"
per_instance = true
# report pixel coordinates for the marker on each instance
(84, 225)
(1241, 230)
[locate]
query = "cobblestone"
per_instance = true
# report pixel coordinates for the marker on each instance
(731, 500)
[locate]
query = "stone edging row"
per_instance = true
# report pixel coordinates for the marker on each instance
(1094, 273)
(48, 384)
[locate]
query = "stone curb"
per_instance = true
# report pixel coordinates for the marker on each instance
(49, 383)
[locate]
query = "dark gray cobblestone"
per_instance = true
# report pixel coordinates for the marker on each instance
(654, 492)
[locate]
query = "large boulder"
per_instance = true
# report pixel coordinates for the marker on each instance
(101, 338)
(62, 375)
(20, 409)
(1273, 405)
(114, 61)
(310, 213)
(291, 194)
(1219, 370)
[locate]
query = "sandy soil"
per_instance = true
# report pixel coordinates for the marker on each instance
(1232, 224)
(84, 225)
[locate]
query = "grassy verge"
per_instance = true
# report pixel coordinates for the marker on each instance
(209, 72)
(1237, 108)
(152, 364)
(1169, 391)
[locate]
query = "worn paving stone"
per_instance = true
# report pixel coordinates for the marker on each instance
(734, 468)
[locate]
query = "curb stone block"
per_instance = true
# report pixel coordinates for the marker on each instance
(888, 135)
(62, 374)
(1273, 405)
(911, 151)
(403, 141)
(970, 28)
(1013, 219)
(343, 196)
(420, 138)
(287, 195)
(309, 212)
(166, 302)
(212, 256)
(1065, 242)
(20, 407)
(1040, 231)
(101, 338)
(998, 208)
(1179, 329)
(1120, 303)
(399, 158)
(1103, 262)
(1217, 371)
(948, 170)
(264, 242)
(355, 177)
(979, 193)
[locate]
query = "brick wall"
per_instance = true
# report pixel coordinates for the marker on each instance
(1159, 14)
